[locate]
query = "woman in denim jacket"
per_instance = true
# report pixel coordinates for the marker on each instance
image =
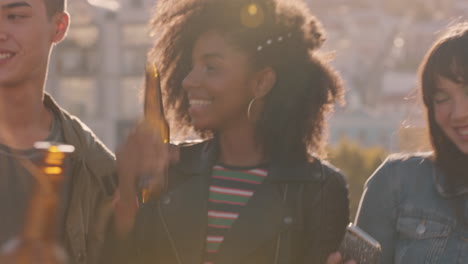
(417, 206)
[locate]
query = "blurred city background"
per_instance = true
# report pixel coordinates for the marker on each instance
(97, 72)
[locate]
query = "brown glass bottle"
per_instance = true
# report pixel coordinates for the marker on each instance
(37, 243)
(155, 118)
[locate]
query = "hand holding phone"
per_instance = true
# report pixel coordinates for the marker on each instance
(359, 246)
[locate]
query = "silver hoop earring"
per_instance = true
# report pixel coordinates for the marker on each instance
(249, 108)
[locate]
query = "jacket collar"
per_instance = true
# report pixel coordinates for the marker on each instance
(443, 187)
(199, 158)
(69, 134)
(99, 160)
(206, 155)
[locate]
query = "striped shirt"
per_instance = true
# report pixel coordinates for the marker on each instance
(230, 190)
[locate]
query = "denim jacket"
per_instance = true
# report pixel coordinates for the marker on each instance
(410, 210)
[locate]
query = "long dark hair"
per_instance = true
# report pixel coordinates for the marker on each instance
(448, 58)
(280, 34)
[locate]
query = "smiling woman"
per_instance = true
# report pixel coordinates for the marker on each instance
(444, 82)
(280, 50)
(219, 85)
(421, 200)
(247, 77)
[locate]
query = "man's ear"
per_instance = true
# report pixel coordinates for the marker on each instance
(61, 22)
(265, 80)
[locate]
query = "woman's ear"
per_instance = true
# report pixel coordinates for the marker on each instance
(61, 22)
(265, 80)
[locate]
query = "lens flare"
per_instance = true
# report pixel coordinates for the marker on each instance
(252, 9)
(252, 15)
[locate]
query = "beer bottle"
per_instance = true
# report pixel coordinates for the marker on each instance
(37, 243)
(155, 118)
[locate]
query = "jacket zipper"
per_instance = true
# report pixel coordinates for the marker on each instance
(278, 242)
(168, 233)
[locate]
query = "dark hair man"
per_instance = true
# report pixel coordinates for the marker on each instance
(28, 31)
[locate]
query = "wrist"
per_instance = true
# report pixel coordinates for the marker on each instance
(125, 213)
(125, 202)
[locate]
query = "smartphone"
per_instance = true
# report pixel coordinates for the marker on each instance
(360, 246)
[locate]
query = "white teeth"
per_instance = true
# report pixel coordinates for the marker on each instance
(5, 56)
(463, 132)
(194, 102)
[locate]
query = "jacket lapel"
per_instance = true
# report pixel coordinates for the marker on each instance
(185, 213)
(74, 217)
(184, 207)
(264, 216)
(258, 222)
(74, 225)
(88, 163)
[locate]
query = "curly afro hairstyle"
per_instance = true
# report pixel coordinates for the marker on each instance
(292, 123)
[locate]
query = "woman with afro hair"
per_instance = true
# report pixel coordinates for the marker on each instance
(246, 76)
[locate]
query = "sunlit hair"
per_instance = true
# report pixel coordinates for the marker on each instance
(293, 118)
(54, 6)
(448, 57)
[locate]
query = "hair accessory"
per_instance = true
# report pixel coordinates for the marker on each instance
(270, 41)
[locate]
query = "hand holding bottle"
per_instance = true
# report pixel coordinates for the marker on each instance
(38, 243)
(336, 258)
(143, 159)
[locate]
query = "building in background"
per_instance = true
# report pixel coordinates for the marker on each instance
(378, 46)
(97, 72)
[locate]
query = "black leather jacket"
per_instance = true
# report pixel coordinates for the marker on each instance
(298, 215)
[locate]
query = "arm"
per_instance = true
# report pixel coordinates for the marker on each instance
(377, 210)
(142, 154)
(327, 219)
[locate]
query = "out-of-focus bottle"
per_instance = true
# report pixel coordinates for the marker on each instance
(155, 118)
(38, 241)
